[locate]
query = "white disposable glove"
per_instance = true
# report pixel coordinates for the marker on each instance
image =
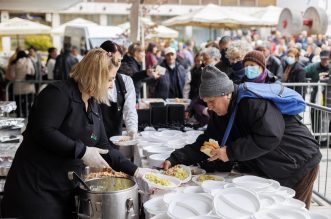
(140, 172)
(93, 158)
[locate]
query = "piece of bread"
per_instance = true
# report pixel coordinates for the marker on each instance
(206, 150)
(208, 146)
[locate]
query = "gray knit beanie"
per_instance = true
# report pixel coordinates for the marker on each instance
(214, 83)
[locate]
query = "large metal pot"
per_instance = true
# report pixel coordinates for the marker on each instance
(126, 150)
(109, 198)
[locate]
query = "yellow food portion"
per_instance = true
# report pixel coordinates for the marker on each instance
(177, 172)
(157, 180)
(206, 177)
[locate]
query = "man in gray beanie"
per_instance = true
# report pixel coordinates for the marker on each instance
(267, 142)
(214, 83)
(216, 89)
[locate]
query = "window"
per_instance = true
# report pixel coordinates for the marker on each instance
(264, 3)
(172, 2)
(229, 2)
(206, 2)
(190, 2)
(250, 3)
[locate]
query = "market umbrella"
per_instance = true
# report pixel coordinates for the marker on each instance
(154, 30)
(214, 16)
(19, 26)
(268, 15)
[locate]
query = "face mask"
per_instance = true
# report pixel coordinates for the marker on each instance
(290, 60)
(252, 72)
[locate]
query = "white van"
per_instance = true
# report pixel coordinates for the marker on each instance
(89, 37)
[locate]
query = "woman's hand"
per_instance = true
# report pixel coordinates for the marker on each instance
(93, 158)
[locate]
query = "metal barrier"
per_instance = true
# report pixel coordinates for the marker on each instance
(17, 91)
(312, 91)
(317, 118)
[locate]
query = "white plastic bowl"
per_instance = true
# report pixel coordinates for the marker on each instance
(157, 150)
(155, 206)
(210, 185)
(317, 216)
(156, 160)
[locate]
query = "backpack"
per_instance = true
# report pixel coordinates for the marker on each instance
(288, 101)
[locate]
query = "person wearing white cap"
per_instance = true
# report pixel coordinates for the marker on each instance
(171, 84)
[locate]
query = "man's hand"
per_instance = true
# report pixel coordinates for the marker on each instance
(152, 73)
(166, 165)
(323, 75)
(219, 154)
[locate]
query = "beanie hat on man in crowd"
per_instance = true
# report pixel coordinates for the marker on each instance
(214, 83)
(257, 57)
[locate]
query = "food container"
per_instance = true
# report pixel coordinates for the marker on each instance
(109, 198)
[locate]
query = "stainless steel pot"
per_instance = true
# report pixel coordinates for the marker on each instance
(127, 151)
(109, 198)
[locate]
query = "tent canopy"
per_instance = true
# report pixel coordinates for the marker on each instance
(18, 26)
(268, 15)
(157, 31)
(214, 16)
(75, 22)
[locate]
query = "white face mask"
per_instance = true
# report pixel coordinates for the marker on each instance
(290, 60)
(172, 66)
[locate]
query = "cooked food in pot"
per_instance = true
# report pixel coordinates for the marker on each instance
(106, 172)
(109, 184)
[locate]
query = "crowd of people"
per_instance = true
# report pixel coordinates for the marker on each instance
(72, 119)
(288, 59)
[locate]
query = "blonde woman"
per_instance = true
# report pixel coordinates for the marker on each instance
(236, 53)
(65, 132)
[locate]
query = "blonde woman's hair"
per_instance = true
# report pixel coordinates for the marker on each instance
(92, 74)
(238, 47)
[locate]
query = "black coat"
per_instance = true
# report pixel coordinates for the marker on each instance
(133, 69)
(195, 82)
(275, 66)
(224, 67)
(297, 74)
(55, 139)
(162, 85)
(275, 146)
(63, 65)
